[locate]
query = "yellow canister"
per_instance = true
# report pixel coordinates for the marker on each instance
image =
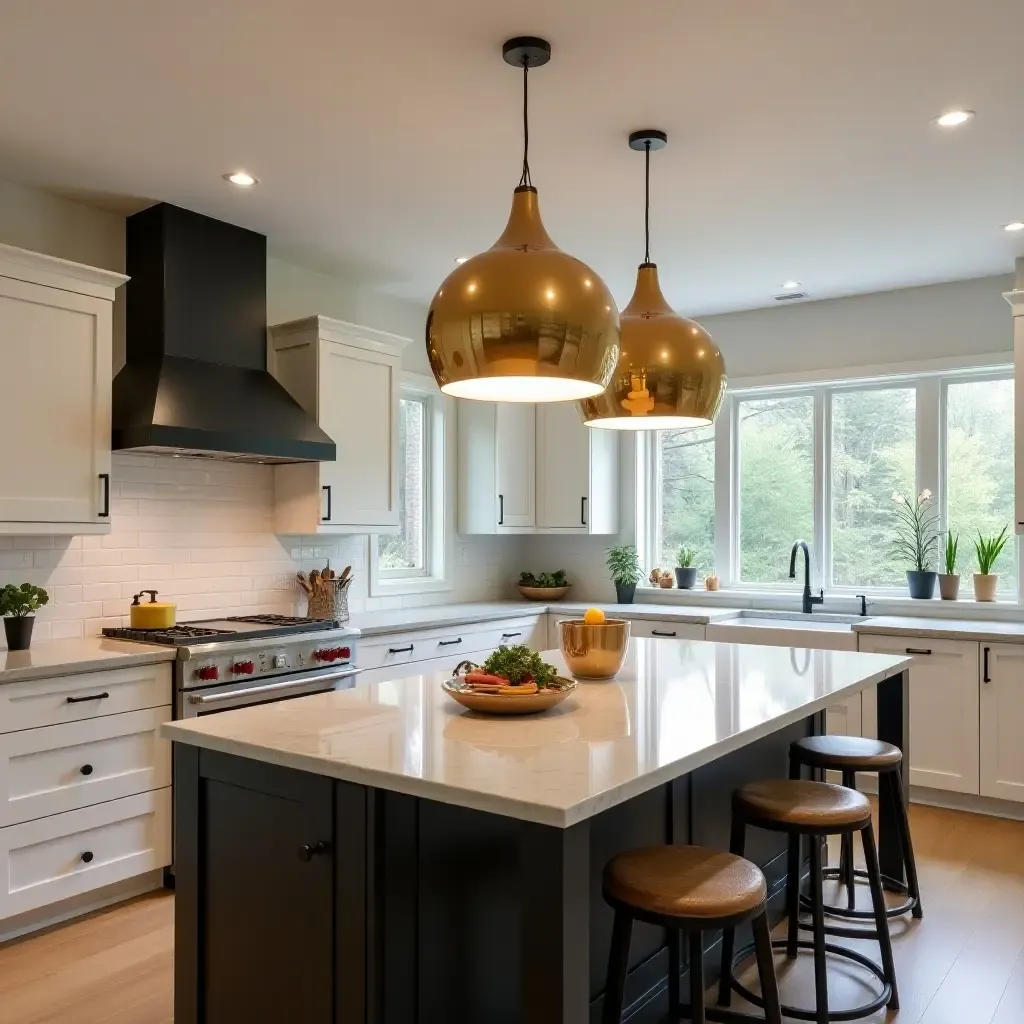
(152, 614)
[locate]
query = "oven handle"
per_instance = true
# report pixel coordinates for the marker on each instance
(249, 691)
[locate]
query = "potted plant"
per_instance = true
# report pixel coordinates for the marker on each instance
(917, 542)
(624, 565)
(18, 605)
(988, 550)
(949, 581)
(686, 571)
(548, 586)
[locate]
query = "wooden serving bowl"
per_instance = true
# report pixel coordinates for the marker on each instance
(543, 593)
(594, 652)
(509, 703)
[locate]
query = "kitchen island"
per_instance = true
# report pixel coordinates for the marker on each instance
(382, 855)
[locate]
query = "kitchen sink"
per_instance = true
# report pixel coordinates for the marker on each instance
(791, 620)
(787, 629)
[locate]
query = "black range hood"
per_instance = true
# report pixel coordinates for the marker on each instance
(195, 379)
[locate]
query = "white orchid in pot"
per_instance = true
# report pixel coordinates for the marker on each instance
(917, 542)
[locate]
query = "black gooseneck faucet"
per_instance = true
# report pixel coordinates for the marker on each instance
(809, 599)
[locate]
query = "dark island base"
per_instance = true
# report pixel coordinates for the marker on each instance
(300, 898)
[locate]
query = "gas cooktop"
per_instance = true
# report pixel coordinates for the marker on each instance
(229, 629)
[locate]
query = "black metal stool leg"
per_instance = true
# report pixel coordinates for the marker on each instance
(846, 862)
(793, 894)
(766, 970)
(737, 844)
(818, 920)
(903, 825)
(674, 967)
(618, 965)
(697, 978)
(881, 918)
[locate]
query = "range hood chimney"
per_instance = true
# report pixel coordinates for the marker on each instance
(195, 379)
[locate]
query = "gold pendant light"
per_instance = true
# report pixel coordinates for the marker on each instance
(523, 321)
(670, 372)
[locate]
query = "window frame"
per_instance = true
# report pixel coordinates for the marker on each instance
(931, 404)
(438, 511)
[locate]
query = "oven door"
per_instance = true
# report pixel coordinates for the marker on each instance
(245, 693)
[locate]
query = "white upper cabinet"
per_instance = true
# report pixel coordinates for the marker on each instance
(55, 378)
(534, 469)
(347, 378)
(944, 709)
(1002, 721)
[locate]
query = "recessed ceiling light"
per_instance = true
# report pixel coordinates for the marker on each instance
(954, 118)
(1015, 225)
(461, 259)
(243, 179)
(790, 285)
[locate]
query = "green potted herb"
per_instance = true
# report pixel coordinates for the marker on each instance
(18, 606)
(949, 581)
(988, 550)
(624, 566)
(686, 571)
(917, 542)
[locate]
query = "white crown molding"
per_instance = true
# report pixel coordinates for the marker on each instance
(52, 272)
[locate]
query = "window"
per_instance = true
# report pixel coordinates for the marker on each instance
(404, 554)
(687, 495)
(776, 484)
(873, 455)
(979, 470)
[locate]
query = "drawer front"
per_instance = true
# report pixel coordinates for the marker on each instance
(87, 695)
(63, 767)
(667, 630)
(51, 859)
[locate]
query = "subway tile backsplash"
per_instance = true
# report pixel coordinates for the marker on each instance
(199, 532)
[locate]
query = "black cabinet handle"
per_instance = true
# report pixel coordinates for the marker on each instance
(86, 769)
(87, 856)
(327, 518)
(508, 636)
(985, 677)
(401, 650)
(448, 643)
(659, 632)
(583, 511)
(308, 851)
(501, 509)
(919, 650)
(104, 513)
(92, 696)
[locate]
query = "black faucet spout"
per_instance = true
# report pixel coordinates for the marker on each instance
(809, 600)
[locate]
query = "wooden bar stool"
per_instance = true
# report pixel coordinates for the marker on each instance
(687, 889)
(849, 755)
(816, 809)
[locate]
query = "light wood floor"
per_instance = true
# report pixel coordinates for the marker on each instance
(963, 964)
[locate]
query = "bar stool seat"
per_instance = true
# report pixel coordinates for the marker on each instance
(837, 752)
(803, 804)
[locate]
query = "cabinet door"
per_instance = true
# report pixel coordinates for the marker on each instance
(55, 373)
(515, 455)
(1002, 721)
(944, 709)
(358, 404)
(563, 468)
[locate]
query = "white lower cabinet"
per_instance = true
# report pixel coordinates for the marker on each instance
(63, 855)
(1002, 721)
(944, 709)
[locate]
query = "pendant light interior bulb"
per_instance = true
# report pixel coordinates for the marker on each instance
(670, 372)
(523, 321)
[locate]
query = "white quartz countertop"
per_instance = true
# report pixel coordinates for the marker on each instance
(434, 616)
(80, 654)
(676, 705)
(943, 629)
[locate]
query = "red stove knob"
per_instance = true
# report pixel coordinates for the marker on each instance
(345, 652)
(243, 668)
(207, 672)
(322, 656)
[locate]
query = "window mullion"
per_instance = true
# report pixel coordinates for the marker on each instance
(726, 504)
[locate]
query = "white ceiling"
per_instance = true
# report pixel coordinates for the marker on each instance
(387, 133)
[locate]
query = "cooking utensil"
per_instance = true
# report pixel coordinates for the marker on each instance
(152, 614)
(303, 582)
(594, 652)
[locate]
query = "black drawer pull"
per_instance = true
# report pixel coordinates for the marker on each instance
(919, 650)
(92, 696)
(87, 856)
(508, 636)
(659, 632)
(449, 643)
(985, 677)
(401, 650)
(307, 852)
(86, 769)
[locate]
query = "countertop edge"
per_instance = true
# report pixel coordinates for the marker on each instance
(97, 663)
(961, 631)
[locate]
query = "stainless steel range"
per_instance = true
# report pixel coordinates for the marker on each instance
(252, 659)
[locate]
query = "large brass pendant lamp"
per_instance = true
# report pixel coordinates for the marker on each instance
(670, 371)
(523, 321)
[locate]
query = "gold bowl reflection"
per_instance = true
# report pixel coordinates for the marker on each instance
(594, 652)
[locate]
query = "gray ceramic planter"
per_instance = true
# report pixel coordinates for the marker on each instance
(921, 584)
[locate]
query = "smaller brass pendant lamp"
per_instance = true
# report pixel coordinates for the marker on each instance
(670, 372)
(523, 321)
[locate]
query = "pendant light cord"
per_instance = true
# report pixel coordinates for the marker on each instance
(647, 201)
(525, 181)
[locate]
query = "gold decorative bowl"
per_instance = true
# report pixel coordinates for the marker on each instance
(543, 593)
(593, 652)
(508, 703)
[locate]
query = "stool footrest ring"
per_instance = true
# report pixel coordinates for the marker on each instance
(798, 1012)
(864, 915)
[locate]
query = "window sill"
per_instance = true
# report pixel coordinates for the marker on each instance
(401, 586)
